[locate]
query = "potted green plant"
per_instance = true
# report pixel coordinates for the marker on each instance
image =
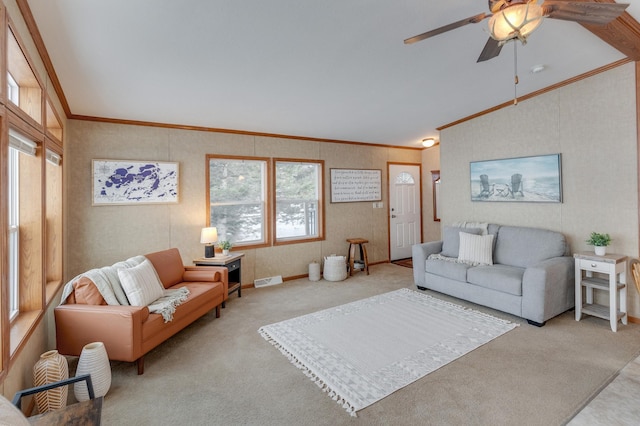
(225, 246)
(600, 242)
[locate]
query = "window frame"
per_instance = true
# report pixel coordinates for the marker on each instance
(266, 190)
(320, 208)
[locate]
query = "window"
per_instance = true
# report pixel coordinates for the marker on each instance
(238, 199)
(14, 247)
(22, 152)
(54, 127)
(27, 93)
(298, 199)
(53, 223)
(12, 89)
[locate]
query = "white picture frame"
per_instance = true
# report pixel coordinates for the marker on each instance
(134, 182)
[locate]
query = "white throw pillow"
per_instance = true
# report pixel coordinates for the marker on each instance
(141, 284)
(476, 249)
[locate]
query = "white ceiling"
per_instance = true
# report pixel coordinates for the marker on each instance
(333, 69)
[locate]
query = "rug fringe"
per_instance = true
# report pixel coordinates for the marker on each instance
(312, 376)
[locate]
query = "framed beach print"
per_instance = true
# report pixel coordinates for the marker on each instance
(536, 179)
(134, 182)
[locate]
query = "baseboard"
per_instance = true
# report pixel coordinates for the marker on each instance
(296, 277)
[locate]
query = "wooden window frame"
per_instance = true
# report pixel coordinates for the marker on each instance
(267, 197)
(320, 209)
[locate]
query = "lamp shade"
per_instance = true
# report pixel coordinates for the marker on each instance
(209, 235)
(516, 21)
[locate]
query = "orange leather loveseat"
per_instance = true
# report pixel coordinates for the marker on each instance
(129, 332)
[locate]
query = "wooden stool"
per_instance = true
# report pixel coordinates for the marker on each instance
(353, 242)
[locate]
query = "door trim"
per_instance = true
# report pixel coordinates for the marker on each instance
(393, 163)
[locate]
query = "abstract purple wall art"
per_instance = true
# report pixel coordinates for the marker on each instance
(134, 182)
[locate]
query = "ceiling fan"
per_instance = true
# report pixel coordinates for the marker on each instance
(517, 19)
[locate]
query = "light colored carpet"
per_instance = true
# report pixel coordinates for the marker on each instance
(220, 371)
(363, 351)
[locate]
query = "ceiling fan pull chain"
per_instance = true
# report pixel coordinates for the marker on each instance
(515, 72)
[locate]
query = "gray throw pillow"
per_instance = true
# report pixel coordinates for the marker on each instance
(451, 239)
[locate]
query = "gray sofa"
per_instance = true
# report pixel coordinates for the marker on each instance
(532, 275)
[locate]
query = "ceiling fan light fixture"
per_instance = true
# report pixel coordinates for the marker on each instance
(516, 21)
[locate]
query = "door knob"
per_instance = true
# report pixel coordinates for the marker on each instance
(393, 216)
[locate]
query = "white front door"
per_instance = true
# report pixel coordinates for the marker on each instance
(405, 227)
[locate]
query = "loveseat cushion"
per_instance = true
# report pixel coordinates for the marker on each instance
(504, 278)
(523, 247)
(451, 239)
(448, 269)
(168, 264)
(200, 293)
(85, 292)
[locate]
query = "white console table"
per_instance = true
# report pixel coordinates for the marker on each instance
(613, 265)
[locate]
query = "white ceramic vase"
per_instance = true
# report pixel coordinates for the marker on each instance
(600, 250)
(93, 360)
(225, 252)
(51, 367)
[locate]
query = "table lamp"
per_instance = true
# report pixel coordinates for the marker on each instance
(208, 236)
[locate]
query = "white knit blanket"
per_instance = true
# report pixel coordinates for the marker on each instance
(108, 284)
(363, 351)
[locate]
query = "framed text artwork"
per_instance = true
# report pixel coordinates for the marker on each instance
(354, 185)
(134, 182)
(536, 179)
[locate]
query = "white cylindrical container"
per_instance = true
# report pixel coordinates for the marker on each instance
(314, 271)
(93, 360)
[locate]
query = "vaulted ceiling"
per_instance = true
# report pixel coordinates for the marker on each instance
(336, 70)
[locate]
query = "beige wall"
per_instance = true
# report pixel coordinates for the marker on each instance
(430, 162)
(99, 236)
(592, 123)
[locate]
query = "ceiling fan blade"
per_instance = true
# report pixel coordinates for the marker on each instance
(491, 50)
(471, 20)
(583, 12)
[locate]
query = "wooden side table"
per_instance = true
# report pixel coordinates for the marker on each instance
(233, 262)
(613, 265)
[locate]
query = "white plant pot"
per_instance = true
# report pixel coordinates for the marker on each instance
(600, 250)
(225, 252)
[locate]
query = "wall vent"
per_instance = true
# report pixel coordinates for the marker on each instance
(263, 282)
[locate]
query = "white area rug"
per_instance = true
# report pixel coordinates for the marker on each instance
(364, 351)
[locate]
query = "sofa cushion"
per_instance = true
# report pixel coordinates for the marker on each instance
(476, 249)
(200, 293)
(454, 270)
(451, 239)
(86, 292)
(168, 264)
(504, 278)
(141, 284)
(523, 247)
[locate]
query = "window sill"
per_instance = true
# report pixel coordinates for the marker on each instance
(52, 289)
(21, 328)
